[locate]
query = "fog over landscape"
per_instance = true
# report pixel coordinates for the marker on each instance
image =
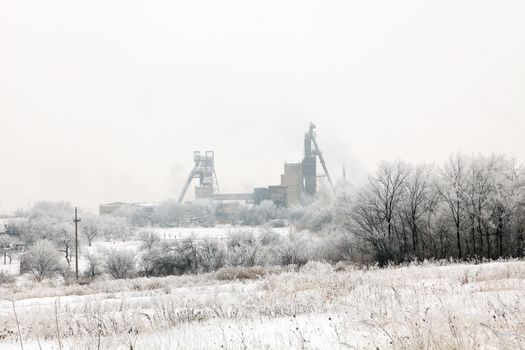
(106, 101)
(262, 175)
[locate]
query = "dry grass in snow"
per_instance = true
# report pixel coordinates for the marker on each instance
(458, 306)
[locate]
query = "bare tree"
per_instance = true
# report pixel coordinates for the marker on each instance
(377, 207)
(452, 188)
(418, 199)
(65, 239)
(505, 202)
(170, 213)
(90, 228)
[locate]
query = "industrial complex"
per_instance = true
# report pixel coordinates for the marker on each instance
(298, 181)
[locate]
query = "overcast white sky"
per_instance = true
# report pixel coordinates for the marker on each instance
(106, 100)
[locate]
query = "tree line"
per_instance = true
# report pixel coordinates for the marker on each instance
(471, 207)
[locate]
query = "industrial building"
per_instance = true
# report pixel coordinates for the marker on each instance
(298, 180)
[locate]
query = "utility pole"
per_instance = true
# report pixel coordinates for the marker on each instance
(76, 221)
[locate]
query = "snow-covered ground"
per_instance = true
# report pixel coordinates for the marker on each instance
(10, 268)
(458, 306)
(218, 232)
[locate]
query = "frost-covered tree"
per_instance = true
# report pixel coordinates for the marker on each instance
(471, 207)
(505, 206)
(452, 188)
(41, 260)
(64, 238)
(170, 213)
(203, 212)
(90, 228)
(418, 198)
(480, 190)
(113, 227)
(377, 210)
(58, 210)
(94, 264)
(51, 221)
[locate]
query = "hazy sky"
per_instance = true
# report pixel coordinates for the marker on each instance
(106, 100)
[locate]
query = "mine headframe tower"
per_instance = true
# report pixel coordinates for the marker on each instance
(309, 164)
(204, 170)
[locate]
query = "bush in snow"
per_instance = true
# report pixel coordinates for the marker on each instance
(94, 263)
(186, 256)
(120, 264)
(242, 247)
(42, 260)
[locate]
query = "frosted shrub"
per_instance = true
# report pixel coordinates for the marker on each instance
(41, 260)
(330, 245)
(120, 264)
(211, 255)
(317, 216)
(271, 249)
(317, 267)
(240, 273)
(242, 248)
(94, 263)
(171, 258)
(299, 248)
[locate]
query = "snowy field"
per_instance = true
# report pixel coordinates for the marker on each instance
(428, 306)
(180, 233)
(218, 232)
